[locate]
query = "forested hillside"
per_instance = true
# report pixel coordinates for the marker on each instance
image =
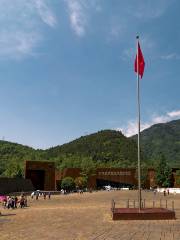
(12, 157)
(162, 138)
(105, 148)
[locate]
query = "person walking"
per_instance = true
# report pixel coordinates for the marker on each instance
(49, 195)
(44, 195)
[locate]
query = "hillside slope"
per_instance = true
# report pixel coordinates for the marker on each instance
(162, 138)
(103, 146)
(13, 155)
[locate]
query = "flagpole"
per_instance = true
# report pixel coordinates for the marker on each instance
(138, 103)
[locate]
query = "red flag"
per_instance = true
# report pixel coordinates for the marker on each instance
(141, 63)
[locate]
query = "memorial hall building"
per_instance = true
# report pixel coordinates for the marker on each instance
(45, 176)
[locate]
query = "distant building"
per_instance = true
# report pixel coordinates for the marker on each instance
(42, 174)
(45, 176)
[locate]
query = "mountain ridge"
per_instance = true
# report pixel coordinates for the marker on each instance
(161, 138)
(106, 147)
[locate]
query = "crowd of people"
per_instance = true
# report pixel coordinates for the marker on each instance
(15, 202)
(165, 192)
(37, 194)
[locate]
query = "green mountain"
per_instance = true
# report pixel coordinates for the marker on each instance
(13, 155)
(162, 138)
(105, 148)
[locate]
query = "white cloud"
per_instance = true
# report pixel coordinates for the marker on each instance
(20, 31)
(45, 13)
(128, 54)
(148, 9)
(78, 18)
(171, 56)
(174, 114)
(79, 12)
(17, 44)
(132, 127)
(117, 31)
(96, 5)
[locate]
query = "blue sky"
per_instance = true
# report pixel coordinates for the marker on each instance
(66, 67)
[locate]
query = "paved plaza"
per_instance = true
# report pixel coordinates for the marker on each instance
(86, 217)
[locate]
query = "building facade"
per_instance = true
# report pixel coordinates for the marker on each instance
(41, 174)
(44, 176)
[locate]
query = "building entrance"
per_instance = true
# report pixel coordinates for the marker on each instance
(37, 178)
(100, 183)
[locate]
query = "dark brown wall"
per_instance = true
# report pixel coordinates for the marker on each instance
(9, 185)
(175, 178)
(122, 175)
(49, 172)
(119, 175)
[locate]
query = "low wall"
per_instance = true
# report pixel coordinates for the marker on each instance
(8, 185)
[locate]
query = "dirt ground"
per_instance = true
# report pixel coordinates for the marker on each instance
(86, 217)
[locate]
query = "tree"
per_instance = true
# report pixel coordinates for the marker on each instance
(177, 177)
(68, 184)
(88, 168)
(80, 182)
(13, 169)
(19, 172)
(144, 175)
(163, 173)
